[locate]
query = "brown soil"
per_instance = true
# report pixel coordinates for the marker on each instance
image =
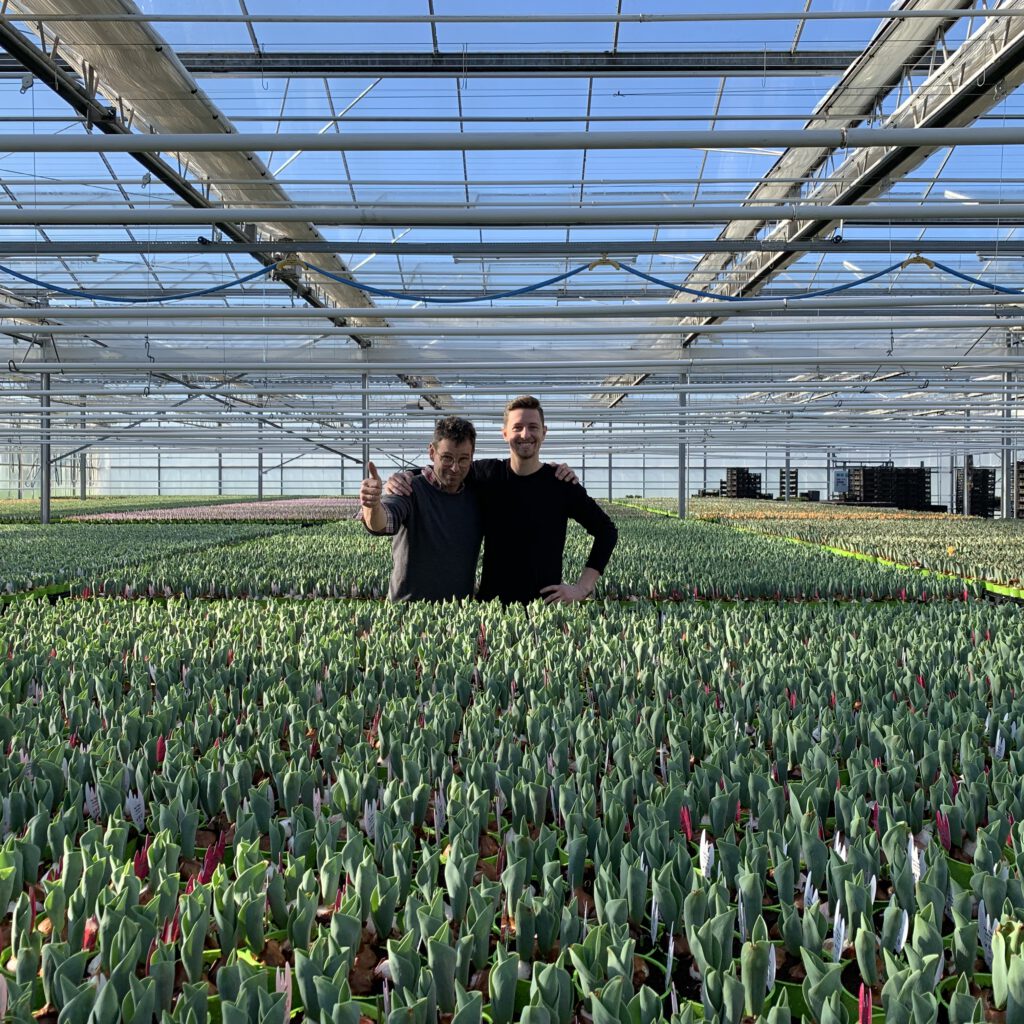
(273, 954)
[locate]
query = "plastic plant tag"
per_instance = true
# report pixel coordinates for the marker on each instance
(92, 802)
(136, 807)
(914, 859)
(838, 934)
(904, 928)
(707, 854)
(985, 929)
(840, 846)
(810, 894)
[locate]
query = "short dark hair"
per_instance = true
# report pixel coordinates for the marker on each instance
(454, 429)
(523, 402)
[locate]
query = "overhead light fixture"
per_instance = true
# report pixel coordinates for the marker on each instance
(852, 267)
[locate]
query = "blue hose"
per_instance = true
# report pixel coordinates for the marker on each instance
(120, 298)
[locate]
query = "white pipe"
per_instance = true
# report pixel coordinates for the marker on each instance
(505, 368)
(524, 216)
(755, 15)
(331, 393)
(948, 424)
(375, 363)
(639, 441)
(450, 142)
(892, 408)
(733, 326)
(783, 304)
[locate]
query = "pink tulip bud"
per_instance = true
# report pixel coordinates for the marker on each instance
(686, 824)
(142, 860)
(864, 1001)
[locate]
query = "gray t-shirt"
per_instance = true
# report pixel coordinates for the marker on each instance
(435, 544)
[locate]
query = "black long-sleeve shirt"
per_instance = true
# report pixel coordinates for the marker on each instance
(525, 522)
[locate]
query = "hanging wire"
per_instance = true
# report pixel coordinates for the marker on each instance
(525, 290)
(177, 296)
(485, 297)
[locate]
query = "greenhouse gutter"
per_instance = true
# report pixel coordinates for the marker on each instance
(991, 588)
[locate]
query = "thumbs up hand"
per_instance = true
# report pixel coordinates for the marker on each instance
(370, 489)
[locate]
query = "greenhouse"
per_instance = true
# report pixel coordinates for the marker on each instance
(694, 696)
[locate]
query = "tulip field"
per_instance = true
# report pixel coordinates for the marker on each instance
(752, 780)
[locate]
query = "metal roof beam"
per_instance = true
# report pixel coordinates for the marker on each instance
(950, 9)
(967, 84)
(896, 133)
(511, 249)
(153, 89)
(807, 216)
(387, 64)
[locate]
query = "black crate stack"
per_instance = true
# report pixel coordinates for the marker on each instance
(912, 487)
(908, 487)
(982, 491)
(1018, 503)
(739, 482)
(788, 484)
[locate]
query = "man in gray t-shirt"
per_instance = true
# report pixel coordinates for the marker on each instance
(436, 531)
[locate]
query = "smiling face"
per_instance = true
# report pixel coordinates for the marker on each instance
(524, 431)
(451, 460)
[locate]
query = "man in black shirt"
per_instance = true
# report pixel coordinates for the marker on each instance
(526, 512)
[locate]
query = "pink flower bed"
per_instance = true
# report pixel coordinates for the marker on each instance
(286, 510)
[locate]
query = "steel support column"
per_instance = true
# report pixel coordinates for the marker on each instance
(1018, 510)
(83, 469)
(684, 483)
(1008, 456)
(366, 426)
(968, 467)
(609, 460)
(44, 450)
